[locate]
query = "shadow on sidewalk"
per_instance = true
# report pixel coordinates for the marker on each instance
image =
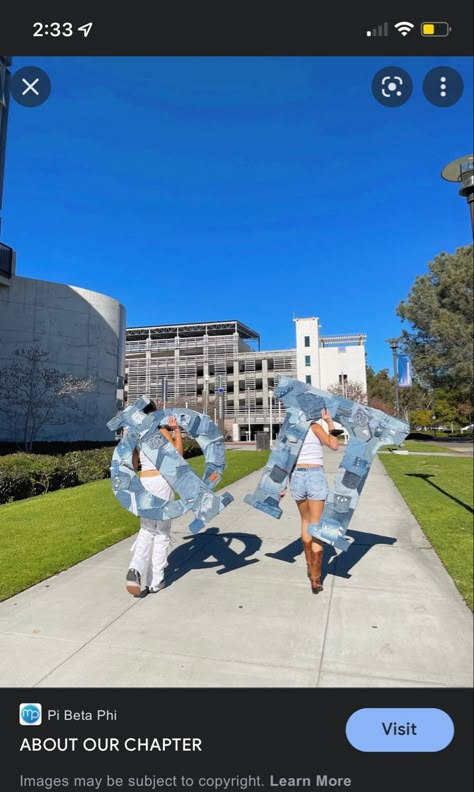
(333, 563)
(211, 549)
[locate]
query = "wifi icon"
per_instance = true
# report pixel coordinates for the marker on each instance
(404, 27)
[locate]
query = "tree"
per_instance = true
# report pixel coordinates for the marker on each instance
(439, 308)
(445, 412)
(464, 412)
(350, 390)
(380, 390)
(421, 418)
(381, 395)
(34, 395)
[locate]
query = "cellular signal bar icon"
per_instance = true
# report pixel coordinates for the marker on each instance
(381, 30)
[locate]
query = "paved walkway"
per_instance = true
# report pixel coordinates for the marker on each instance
(239, 610)
(463, 448)
(424, 453)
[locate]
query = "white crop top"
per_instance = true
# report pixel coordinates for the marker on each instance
(145, 462)
(311, 451)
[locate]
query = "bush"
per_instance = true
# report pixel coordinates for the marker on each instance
(191, 448)
(420, 436)
(57, 447)
(88, 465)
(26, 475)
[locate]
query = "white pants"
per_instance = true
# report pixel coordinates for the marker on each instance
(150, 549)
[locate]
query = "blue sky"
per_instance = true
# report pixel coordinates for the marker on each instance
(258, 189)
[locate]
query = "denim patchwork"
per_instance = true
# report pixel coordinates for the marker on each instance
(368, 430)
(195, 494)
(283, 458)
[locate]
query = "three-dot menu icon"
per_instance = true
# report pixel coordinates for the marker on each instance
(443, 86)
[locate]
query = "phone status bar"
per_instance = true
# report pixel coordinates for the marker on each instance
(252, 30)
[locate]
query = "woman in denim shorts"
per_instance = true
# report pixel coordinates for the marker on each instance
(309, 488)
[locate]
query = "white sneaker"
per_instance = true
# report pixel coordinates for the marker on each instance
(156, 589)
(134, 582)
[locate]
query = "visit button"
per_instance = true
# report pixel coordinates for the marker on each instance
(422, 729)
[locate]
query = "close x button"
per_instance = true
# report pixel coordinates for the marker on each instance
(390, 729)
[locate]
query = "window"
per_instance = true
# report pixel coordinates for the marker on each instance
(307, 360)
(307, 341)
(308, 379)
(343, 384)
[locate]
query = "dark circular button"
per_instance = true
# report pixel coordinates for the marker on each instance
(392, 86)
(443, 86)
(30, 86)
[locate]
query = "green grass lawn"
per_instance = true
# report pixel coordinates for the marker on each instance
(42, 536)
(417, 445)
(439, 492)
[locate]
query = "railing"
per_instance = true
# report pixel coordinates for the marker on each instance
(6, 260)
(344, 340)
(258, 416)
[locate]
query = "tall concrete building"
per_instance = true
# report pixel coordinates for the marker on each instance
(219, 368)
(83, 333)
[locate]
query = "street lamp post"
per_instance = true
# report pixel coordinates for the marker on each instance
(248, 409)
(164, 390)
(5, 62)
(394, 347)
(462, 171)
(270, 396)
(206, 394)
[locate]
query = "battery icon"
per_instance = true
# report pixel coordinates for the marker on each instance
(435, 29)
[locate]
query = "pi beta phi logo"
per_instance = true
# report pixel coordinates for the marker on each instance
(30, 714)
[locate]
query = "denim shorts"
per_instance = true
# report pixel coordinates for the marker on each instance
(309, 483)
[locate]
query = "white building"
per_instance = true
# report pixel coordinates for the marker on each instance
(325, 361)
(218, 368)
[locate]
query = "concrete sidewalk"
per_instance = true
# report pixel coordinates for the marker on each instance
(239, 609)
(424, 453)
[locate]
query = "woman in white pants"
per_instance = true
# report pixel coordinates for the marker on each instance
(150, 550)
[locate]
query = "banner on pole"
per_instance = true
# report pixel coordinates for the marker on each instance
(404, 371)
